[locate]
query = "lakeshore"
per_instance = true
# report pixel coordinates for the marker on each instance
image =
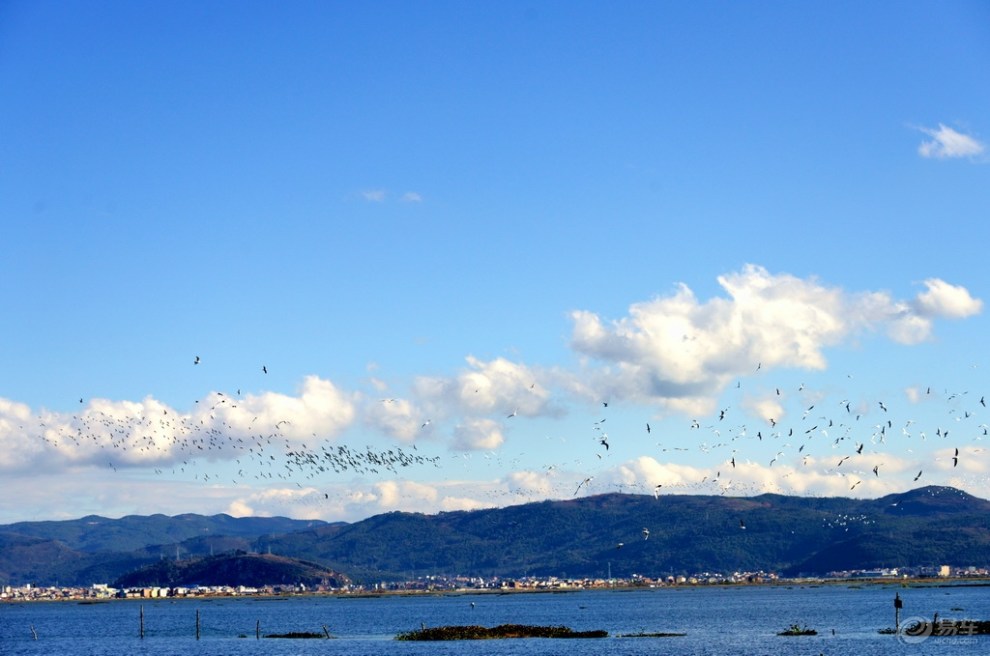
(104, 594)
(718, 620)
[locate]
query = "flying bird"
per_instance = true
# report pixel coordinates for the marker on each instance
(264, 369)
(196, 361)
(646, 533)
(919, 475)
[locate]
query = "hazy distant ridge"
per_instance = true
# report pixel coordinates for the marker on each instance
(579, 537)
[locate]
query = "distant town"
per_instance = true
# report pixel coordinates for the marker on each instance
(479, 585)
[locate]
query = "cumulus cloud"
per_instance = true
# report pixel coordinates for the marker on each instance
(478, 434)
(497, 386)
(149, 433)
(944, 300)
(320, 409)
(947, 143)
(679, 351)
(767, 408)
(398, 418)
(411, 197)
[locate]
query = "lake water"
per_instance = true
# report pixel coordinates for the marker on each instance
(718, 621)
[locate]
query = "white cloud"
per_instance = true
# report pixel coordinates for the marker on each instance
(679, 349)
(767, 408)
(411, 197)
(498, 386)
(478, 435)
(946, 143)
(944, 300)
(395, 417)
(320, 409)
(149, 433)
(374, 195)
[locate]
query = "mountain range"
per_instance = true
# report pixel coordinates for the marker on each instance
(624, 534)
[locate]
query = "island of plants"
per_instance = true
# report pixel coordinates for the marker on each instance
(796, 630)
(296, 635)
(500, 631)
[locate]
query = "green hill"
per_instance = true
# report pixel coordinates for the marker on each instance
(585, 537)
(234, 569)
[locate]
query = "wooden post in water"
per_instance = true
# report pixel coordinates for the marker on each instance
(326, 631)
(257, 630)
(141, 627)
(197, 624)
(898, 604)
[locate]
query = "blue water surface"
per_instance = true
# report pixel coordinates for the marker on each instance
(717, 621)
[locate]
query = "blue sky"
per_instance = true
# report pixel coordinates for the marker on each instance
(458, 229)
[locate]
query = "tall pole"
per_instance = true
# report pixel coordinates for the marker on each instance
(141, 630)
(898, 604)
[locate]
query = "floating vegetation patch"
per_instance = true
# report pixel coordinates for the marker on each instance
(295, 635)
(500, 631)
(796, 630)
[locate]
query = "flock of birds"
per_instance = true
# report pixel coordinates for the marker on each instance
(192, 442)
(841, 438)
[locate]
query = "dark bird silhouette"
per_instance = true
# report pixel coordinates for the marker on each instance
(742, 524)
(918, 476)
(196, 361)
(264, 369)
